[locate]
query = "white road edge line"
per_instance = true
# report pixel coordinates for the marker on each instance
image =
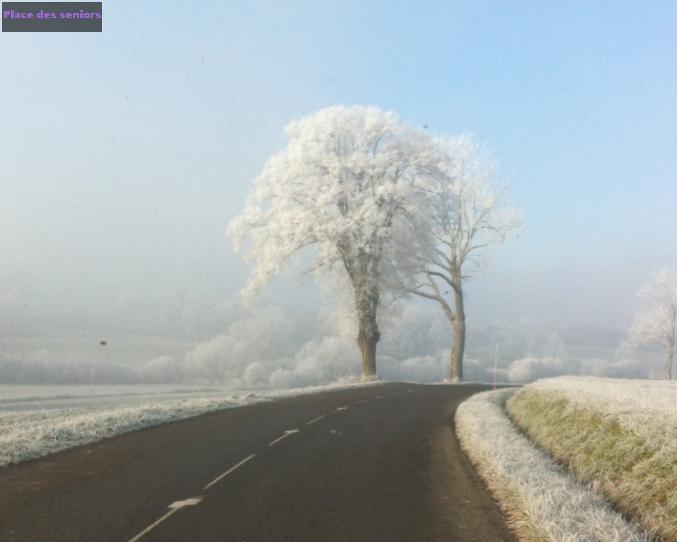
(284, 435)
(174, 507)
(339, 409)
(362, 401)
(215, 480)
(316, 419)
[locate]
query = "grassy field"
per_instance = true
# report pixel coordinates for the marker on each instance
(618, 435)
(542, 501)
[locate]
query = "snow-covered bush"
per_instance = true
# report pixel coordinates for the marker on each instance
(530, 369)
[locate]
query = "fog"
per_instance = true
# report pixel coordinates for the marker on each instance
(125, 154)
(271, 347)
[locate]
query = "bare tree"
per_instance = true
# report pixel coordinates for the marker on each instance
(342, 186)
(656, 320)
(467, 217)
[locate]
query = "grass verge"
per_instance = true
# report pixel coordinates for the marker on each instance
(541, 501)
(589, 428)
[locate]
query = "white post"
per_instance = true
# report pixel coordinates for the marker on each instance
(495, 364)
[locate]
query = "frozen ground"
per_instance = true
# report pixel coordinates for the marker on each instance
(618, 435)
(647, 407)
(33, 397)
(542, 501)
(39, 420)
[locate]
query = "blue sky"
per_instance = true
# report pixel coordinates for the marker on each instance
(125, 154)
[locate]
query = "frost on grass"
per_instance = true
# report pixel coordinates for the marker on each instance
(27, 435)
(619, 435)
(28, 432)
(542, 502)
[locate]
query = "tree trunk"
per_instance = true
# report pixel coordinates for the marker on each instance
(366, 305)
(668, 362)
(458, 323)
(362, 269)
(367, 344)
(457, 351)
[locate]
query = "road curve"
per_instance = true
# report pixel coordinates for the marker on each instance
(365, 464)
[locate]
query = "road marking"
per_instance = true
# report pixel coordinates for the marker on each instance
(411, 391)
(316, 419)
(173, 508)
(284, 435)
(210, 484)
(339, 409)
(379, 397)
(362, 401)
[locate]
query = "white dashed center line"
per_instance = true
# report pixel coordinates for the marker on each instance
(284, 435)
(210, 484)
(194, 501)
(316, 419)
(173, 508)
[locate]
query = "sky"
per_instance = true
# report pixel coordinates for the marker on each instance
(124, 154)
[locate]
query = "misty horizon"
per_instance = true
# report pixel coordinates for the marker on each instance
(119, 183)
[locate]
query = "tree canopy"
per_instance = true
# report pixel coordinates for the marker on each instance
(345, 184)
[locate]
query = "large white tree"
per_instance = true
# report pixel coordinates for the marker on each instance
(655, 322)
(467, 216)
(344, 185)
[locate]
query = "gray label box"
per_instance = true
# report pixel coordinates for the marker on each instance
(52, 16)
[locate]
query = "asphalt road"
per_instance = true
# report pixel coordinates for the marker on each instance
(367, 464)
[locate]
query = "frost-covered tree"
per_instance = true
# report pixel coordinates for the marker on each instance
(468, 216)
(343, 186)
(656, 321)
